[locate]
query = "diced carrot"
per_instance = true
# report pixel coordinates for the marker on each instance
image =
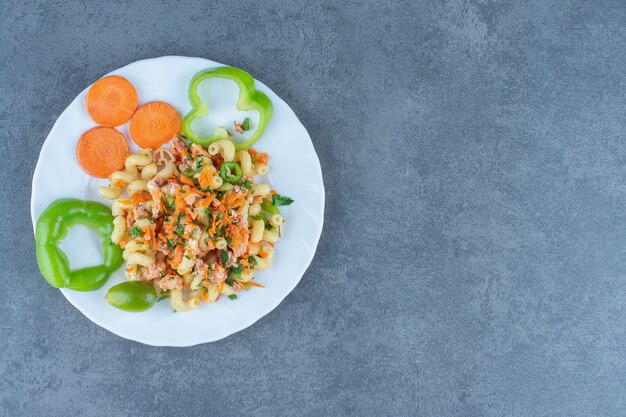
(111, 101)
(101, 151)
(154, 124)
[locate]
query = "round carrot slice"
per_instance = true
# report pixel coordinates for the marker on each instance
(111, 101)
(154, 124)
(101, 151)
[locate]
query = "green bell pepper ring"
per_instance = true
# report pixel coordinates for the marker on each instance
(230, 172)
(249, 99)
(52, 227)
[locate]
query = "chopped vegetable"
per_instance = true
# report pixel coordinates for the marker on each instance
(230, 172)
(245, 125)
(154, 124)
(101, 151)
(111, 101)
(249, 99)
(134, 232)
(280, 200)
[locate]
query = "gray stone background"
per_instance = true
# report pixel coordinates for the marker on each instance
(473, 259)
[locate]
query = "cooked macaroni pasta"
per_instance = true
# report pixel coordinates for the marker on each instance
(191, 231)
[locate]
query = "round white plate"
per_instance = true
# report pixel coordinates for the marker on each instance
(294, 171)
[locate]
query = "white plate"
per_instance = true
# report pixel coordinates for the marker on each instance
(294, 171)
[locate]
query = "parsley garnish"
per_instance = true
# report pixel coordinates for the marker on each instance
(134, 232)
(229, 281)
(224, 256)
(179, 230)
(247, 184)
(233, 296)
(245, 125)
(281, 200)
(235, 273)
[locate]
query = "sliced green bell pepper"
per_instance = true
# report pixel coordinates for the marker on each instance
(52, 227)
(249, 99)
(230, 172)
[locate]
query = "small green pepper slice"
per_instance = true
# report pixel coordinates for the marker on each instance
(249, 99)
(132, 296)
(230, 172)
(52, 227)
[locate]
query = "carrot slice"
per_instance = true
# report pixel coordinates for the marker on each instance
(111, 101)
(101, 151)
(154, 124)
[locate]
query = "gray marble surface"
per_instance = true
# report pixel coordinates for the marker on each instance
(473, 260)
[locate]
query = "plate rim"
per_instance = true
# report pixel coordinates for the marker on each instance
(264, 312)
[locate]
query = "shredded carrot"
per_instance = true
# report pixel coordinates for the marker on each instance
(255, 284)
(206, 177)
(204, 296)
(207, 201)
(140, 197)
(122, 244)
(221, 286)
(178, 256)
(186, 180)
(262, 158)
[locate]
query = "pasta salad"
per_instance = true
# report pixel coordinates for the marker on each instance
(192, 222)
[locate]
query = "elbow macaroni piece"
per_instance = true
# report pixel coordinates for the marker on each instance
(213, 291)
(118, 207)
(276, 220)
(124, 176)
(138, 258)
(260, 190)
(225, 147)
(110, 193)
(261, 169)
(245, 161)
(141, 159)
(148, 172)
(220, 243)
(136, 187)
(119, 228)
(168, 171)
(255, 209)
(256, 234)
(132, 247)
(270, 236)
(176, 298)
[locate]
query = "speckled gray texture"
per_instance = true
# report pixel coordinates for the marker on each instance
(473, 261)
